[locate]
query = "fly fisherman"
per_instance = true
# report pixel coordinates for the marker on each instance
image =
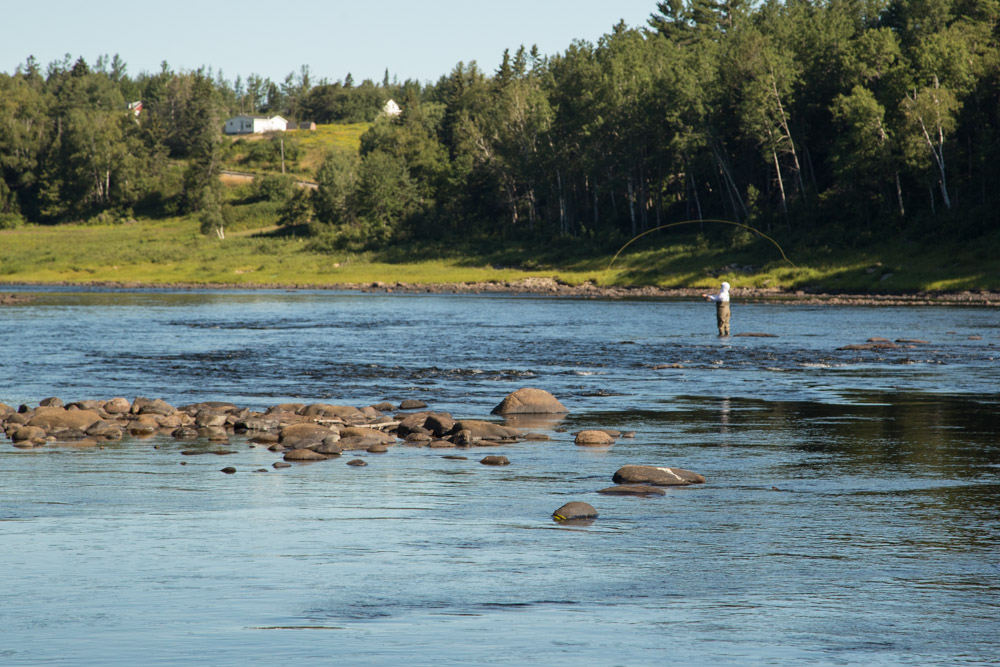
(721, 308)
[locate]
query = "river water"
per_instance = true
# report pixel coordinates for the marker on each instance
(851, 513)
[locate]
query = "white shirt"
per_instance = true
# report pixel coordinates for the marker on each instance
(723, 294)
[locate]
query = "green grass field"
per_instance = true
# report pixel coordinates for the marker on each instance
(172, 251)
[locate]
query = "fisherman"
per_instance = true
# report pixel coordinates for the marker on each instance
(721, 308)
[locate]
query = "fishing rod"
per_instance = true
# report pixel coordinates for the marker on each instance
(691, 222)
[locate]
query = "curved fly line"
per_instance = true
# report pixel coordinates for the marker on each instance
(691, 222)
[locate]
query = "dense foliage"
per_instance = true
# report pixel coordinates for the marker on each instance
(839, 119)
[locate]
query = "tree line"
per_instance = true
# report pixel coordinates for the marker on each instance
(834, 120)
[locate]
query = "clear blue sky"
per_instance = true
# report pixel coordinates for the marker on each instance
(415, 39)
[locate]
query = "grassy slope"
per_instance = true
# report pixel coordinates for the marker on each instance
(254, 252)
(173, 251)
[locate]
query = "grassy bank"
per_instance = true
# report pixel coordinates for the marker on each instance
(172, 251)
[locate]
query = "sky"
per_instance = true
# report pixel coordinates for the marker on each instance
(414, 40)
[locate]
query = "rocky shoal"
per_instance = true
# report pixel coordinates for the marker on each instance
(544, 285)
(302, 433)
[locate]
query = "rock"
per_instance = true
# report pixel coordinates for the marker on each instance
(5, 410)
(51, 402)
(106, 430)
(280, 464)
(156, 406)
(913, 341)
(495, 461)
(377, 449)
(357, 463)
(660, 476)
(439, 423)
(755, 335)
(345, 412)
(303, 455)
(294, 408)
(209, 418)
(575, 511)
(293, 434)
(418, 438)
(454, 457)
(117, 406)
(193, 452)
(53, 418)
(483, 430)
(265, 438)
(185, 433)
(28, 436)
(411, 404)
(329, 449)
(16, 418)
(229, 470)
(594, 438)
(529, 401)
(537, 437)
(143, 426)
(633, 490)
(384, 407)
(441, 444)
(371, 435)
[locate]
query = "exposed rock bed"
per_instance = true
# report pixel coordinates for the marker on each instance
(301, 433)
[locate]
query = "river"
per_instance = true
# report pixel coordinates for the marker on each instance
(851, 513)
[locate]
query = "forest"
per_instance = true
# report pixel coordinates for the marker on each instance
(828, 122)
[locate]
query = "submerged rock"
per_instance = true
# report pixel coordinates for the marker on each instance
(494, 460)
(575, 511)
(528, 400)
(633, 490)
(594, 438)
(660, 476)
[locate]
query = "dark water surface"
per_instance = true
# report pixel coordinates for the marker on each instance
(851, 514)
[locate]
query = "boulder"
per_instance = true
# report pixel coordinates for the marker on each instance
(293, 433)
(441, 444)
(374, 436)
(6, 410)
(575, 511)
(660, 476)
(51, 402)
(28, 436)
(155, 406)
(304, 455)
(529, 401)
(357, 463)
(56, 418)
(321, 410)
(482, 430)
(294, 408)
(411, 404)
(329, 449)
(377, 449)
(439, 423)
(117, 406)
(633, 490)
(209, 417)
(495, 461)
(229, 470)
(280, 464)
(594, 438)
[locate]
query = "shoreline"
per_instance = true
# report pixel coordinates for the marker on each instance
(551, 287)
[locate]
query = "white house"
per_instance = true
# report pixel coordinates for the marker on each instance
(391, 108)
(255, 124)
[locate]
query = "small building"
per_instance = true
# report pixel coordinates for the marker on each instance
(255, 124)
(391, 108)
(308, 125)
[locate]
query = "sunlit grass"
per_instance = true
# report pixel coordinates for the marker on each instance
(172, 251)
